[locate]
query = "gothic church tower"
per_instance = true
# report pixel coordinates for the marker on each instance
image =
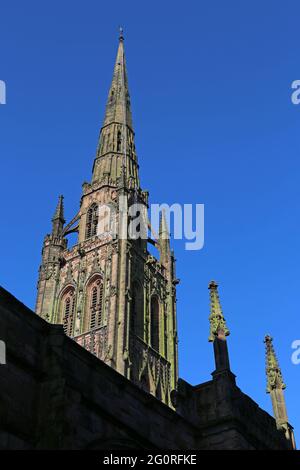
(111, 295)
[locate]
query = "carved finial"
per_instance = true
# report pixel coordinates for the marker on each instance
(121, 34)
(273, 371)
(218, 327)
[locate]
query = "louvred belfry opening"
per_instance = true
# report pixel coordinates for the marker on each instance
(96, 304)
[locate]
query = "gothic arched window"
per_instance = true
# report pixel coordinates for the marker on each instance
(95, 304)
(137, 310)
(68, 310)
(154, 323)
(119, 141)
(91, 221)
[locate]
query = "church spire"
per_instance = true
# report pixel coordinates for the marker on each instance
(110, 261)
(118, 103)
(116, 149)
(58, 218)
(218, 329)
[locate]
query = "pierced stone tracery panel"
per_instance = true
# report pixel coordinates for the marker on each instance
(94, 341)
(146, 357)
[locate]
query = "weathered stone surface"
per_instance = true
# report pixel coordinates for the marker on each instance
(56, 395)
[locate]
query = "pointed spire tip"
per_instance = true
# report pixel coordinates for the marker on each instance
(163, 225)
(59, 211)
(212, 285)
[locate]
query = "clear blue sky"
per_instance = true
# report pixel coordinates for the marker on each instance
(210, 91)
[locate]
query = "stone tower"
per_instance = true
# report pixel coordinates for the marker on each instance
(112, 296)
